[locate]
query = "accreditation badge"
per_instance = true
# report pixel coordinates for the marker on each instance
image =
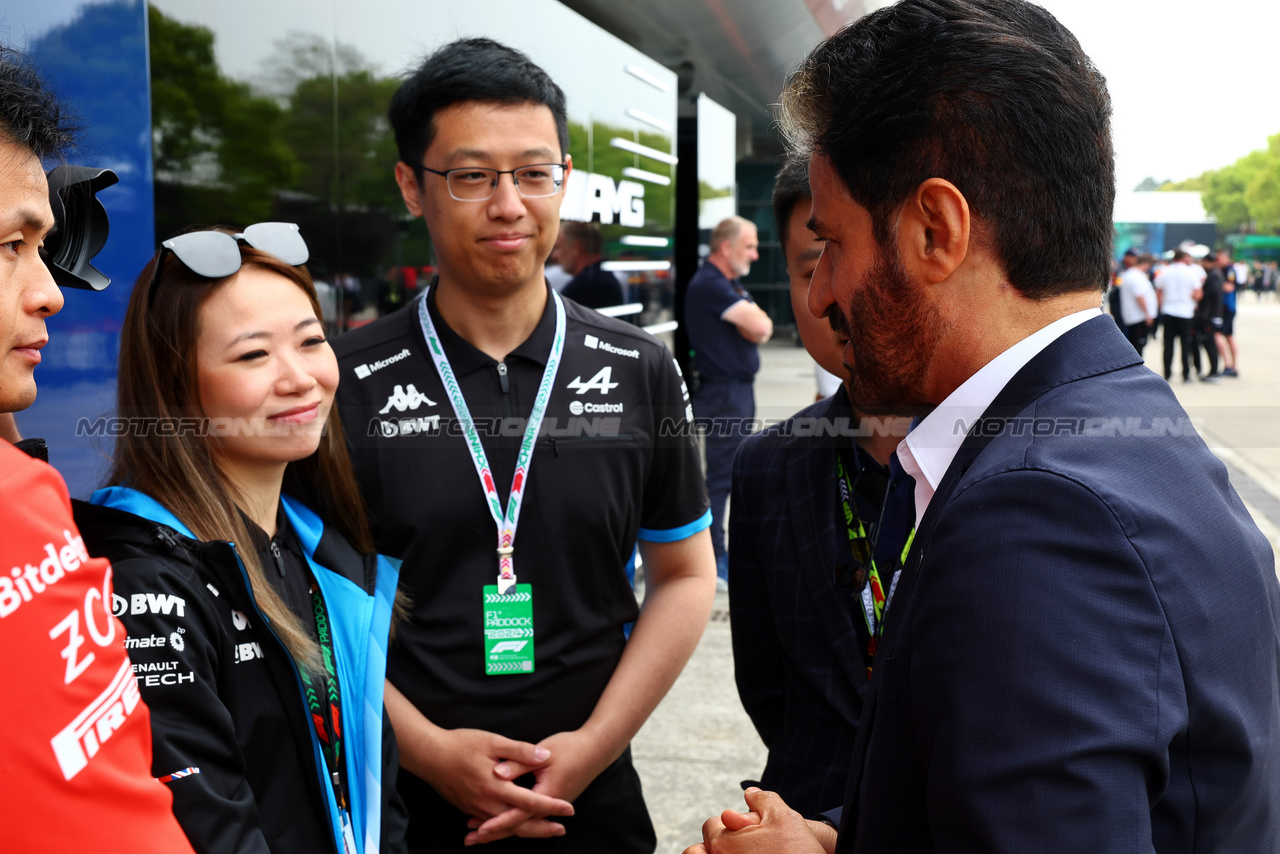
(508, 630)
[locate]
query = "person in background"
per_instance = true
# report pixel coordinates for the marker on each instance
(821, 512)
(1178, 292)
(726, 329)
(75, 737)
(1206, 323)
(578, 246)
(1235, 280)
(258, 626)
(1138, 302)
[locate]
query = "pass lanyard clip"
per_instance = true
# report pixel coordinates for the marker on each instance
(505, 519)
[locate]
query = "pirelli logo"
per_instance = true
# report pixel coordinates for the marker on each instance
(81, 740)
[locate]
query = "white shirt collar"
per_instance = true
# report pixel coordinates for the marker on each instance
(927, 451)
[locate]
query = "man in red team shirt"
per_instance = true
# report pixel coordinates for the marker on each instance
(75, 739)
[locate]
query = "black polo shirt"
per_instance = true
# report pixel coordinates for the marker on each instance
(602, 475)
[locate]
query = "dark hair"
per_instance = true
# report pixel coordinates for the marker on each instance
(158, 378)
(789, 187)
(31, 115)
(469, 70)
(585, 234)
(994, 96)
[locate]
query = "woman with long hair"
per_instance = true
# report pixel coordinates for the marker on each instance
(258, 626)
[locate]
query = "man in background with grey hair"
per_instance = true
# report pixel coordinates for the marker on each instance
(725, 329)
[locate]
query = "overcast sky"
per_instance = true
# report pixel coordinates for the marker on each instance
(1193, 84)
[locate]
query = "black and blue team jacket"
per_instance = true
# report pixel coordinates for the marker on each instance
(227, 705)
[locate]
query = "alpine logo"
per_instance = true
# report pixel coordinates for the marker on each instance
(402, 399)
(596, 344)
(601, 382)
(367, 369)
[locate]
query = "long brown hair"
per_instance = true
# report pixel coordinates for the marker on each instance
(177, 467)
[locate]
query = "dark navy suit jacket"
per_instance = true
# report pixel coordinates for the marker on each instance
(1082, 651)
(797, 640)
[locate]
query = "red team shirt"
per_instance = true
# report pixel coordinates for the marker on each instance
(75, 737)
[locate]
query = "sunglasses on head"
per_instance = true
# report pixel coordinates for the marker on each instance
(216, 254)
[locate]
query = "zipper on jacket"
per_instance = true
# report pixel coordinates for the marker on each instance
(166, 537)
(279, 559)
(321, 768)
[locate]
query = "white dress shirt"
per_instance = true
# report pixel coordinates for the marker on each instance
(928, 450)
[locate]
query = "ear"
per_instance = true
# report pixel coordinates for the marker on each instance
(933, 230)
(410, 191)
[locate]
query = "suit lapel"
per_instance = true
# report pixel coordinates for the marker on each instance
(1093, 348)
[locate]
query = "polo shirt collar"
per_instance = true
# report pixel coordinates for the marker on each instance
(465, 358)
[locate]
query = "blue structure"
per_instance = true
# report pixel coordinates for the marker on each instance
(95, 55)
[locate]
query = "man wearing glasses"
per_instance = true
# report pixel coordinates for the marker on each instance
(513, 447)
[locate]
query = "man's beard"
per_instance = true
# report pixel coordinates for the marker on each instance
(893, 332)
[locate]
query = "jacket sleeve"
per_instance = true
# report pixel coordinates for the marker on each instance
(177, 645)
(758, 658)
(395, 818)
(1043, 681)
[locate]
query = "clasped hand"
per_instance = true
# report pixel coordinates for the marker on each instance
(478, 776)
(769, 827)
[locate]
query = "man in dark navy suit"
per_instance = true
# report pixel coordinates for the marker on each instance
(1081, 653)
(803, 599)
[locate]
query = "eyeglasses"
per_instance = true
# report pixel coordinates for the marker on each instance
(477, 184)
(216, 254)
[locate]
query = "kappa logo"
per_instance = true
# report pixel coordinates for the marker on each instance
(402, 399)
(369, 368)
(596, 344)
(601, 382)
(508, 646)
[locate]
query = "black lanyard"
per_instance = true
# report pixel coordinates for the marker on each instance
(325, 700)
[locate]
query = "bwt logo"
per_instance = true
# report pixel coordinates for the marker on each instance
(148, 603)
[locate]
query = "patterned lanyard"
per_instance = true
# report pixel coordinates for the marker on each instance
(325, 701)
(863, 547)
(505, 520)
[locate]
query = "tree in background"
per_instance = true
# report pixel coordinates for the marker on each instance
(1244, 196)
